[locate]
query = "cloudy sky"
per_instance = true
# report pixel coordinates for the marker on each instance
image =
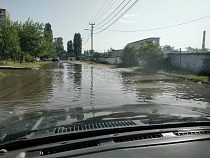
(179, 23)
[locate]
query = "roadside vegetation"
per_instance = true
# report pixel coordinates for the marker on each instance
(23, 42)
(26, 64)
(2, 74)
(187, 76)
(150, 57)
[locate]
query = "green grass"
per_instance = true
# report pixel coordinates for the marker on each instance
(176, 74)
(184, 75)
(26, 64)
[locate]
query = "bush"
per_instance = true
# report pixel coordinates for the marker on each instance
(29, 58)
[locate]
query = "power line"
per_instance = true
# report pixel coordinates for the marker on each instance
(86, 40)
(99, 10)
(159, 28)
(112, 12)
(118, 17)
(105, 10)
(115, 15)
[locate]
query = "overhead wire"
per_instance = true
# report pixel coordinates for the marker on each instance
(114, 15)
(105, 10)
(103, 29)
(165, 27)
(99, 11)
(86, 40)
(111, 12)
(95, 17)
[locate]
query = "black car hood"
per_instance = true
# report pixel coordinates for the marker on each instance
(149, 114)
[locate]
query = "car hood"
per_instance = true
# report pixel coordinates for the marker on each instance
(149, 114)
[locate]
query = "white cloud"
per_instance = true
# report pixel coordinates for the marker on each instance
(130, 15)
(126, 21)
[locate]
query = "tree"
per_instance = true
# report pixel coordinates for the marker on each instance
(70, 48)
(129, 56)
(77, 45)
(9, 40)
(31, 39)
(25, 41)
(58, 44)
(168, 48)
(109, 52)
(48, 38)
(150, 55)
(190, 49)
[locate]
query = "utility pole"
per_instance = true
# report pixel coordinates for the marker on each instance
(203, 43)
(91, 51)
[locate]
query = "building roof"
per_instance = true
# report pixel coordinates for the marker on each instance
(145, 39)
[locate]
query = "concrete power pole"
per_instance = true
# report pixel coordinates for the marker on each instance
(91, 51)
(203, 43)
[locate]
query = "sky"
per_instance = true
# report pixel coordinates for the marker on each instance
(68, 17)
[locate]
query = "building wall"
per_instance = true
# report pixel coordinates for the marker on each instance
(117, 53)
(4, 14)
(111, 60)
(190, 61)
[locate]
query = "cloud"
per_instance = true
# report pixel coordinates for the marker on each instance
(126, 21)
(130, 15)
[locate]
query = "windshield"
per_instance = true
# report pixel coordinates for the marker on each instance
(82, 62)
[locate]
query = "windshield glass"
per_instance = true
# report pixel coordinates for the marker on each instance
(82, 62)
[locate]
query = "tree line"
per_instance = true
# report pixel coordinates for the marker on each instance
(147, 55)
(75, 47)
(25, 41)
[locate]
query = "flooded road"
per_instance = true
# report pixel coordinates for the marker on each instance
(68, 85)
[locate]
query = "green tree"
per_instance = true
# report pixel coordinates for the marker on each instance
(129, 56)
(49, 46)
(109, 52)
(31, 39)
(70, 48)
(150, 55)
(58, 44)
(77, 45)
(9, 41)
(190, 49)
(168, 48)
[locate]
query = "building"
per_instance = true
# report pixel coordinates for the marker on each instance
(4, 14)
(138, 44)
(67, 56)
(117, 53)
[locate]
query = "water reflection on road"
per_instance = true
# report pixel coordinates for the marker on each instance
(73, 86)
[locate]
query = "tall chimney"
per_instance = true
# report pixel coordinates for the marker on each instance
(204, 36)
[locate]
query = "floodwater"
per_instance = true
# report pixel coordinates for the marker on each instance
(69, 85)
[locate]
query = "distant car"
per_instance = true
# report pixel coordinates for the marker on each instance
(44, 59)
(56, 59)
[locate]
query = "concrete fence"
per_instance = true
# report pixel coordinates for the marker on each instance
(199, 61)
(111, 60)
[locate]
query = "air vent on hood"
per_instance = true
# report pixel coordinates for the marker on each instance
(102, 125)
(136, 137)
(191, 132)
(68, 147)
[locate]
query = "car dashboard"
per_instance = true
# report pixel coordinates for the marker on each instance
(189, 141)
